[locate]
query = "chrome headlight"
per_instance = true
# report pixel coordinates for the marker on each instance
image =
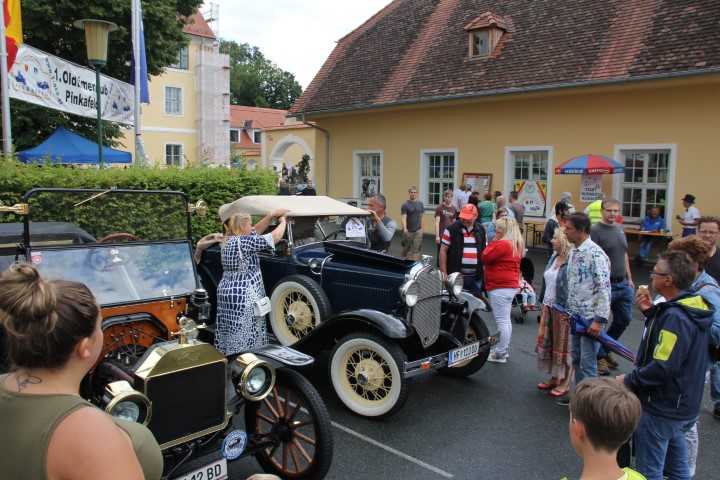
(257, 377)
(409, 292)
(454, 283)
(122, 401)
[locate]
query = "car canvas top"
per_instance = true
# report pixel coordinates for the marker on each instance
(299, 206)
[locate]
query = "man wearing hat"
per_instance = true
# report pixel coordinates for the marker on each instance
(461, 249)
(692, 216)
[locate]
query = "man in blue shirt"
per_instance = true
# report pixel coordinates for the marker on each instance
(652, 223)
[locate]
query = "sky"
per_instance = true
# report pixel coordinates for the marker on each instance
(297, 35)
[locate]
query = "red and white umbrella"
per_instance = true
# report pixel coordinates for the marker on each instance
(589, 164)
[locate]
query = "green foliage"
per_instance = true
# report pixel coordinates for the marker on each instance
(48, 26)
(304, 167)
(214, 185)
(256, 81)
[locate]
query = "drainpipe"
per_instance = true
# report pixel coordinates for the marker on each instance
(327, 153)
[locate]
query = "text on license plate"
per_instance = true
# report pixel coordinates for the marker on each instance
(212, 471)
(463, 353)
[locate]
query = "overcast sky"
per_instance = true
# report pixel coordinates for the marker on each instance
(298, 35)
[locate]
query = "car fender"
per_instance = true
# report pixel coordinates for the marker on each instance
(474, 304)
(324, 335)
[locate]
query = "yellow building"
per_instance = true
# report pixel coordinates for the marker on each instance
(188, 119)
(444, 92)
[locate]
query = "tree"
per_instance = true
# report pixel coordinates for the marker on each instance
(256, 81)
(48, 26)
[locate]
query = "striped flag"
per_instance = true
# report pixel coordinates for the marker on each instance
(13, 29)
(144, 92)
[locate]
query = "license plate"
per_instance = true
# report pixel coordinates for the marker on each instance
(463, 353)
(212, 471)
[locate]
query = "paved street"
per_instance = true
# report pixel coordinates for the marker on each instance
(494, 424)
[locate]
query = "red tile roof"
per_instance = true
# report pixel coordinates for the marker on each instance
(417, 50)
(199, 27)
(253, 118)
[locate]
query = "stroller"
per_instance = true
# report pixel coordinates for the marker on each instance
(527, 269)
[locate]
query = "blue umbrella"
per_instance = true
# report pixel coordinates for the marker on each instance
(580, 326)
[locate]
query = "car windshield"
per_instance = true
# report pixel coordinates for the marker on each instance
(126, 246)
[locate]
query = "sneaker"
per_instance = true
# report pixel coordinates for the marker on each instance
(603, 367)
(564, 400)
(612, 360)
(497, 357)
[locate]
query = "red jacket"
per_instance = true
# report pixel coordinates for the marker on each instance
(502, 270)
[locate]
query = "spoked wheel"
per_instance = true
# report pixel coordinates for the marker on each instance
(295, 416)
(365, 372)
(299, 304)
(477, 330)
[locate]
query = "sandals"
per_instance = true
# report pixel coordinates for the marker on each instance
(547, 385)
(557, 393)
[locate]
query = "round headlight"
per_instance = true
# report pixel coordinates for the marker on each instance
(122, 401)
(409, 292)
(454, 283)
(257, 377)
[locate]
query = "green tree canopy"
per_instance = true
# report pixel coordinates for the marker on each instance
(48, 26)
(256, 81)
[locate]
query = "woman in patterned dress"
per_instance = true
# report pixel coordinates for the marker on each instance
(241, 285)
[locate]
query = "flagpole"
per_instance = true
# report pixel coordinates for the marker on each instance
(139, 153)
(6, 131)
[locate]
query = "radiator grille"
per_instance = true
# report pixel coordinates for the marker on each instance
(425, 315)
(185, 402)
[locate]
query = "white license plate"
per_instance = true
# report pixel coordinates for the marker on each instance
(463, 353)
(212, 471)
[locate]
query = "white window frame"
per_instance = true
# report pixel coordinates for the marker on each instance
(165, 100)
(254, 133)
(618, 179)
(183, 54)
(356, 169)
(181, 162)
(424, 180)
(509, 184)
(237, 132)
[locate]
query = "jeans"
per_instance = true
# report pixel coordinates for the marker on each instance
(660, 443)
(472, 285)
(501, 303)
(715, 384)
(528, 298)
(621, 303)
(584, 351)
(646, 245)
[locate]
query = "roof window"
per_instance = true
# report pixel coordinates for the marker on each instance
(484, 34)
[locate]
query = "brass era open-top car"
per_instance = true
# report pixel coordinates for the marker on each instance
(384, 319)
(153, 368)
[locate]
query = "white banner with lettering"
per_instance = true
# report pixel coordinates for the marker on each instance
(43, 79)
(590, 186)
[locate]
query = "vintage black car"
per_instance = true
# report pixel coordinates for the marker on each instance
(384, 319)
(155, 367)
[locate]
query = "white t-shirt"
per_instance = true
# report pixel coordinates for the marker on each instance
(691, 214)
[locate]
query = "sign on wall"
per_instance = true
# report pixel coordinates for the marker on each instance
(481, 182)
(532, 195)
(43, 79)
(590, 186)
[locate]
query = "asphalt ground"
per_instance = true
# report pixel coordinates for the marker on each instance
(494, 424)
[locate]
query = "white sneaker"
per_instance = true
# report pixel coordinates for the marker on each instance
(496, 357)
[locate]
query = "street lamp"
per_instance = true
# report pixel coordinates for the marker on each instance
(96, 41)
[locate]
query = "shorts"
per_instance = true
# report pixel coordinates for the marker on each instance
(412, 242)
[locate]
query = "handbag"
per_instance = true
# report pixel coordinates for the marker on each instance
(261, 307)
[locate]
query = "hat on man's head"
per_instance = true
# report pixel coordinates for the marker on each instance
(689, 198)
(468, 211)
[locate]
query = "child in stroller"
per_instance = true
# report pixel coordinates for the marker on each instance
(527, 294)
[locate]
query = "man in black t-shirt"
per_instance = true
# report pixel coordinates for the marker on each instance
(709, 230)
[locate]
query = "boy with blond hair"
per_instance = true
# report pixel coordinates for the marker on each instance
(603, 416)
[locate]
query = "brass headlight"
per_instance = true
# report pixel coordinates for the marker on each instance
(122, 401)
(409, 292)
(454, 283)
(257, 377)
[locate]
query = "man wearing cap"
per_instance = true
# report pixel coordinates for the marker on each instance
(462, 245)
(692, 216)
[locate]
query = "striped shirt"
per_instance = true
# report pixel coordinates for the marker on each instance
(470, 253)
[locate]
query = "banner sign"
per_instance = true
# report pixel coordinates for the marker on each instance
(590, 187)
(43, 79)
(532, 195)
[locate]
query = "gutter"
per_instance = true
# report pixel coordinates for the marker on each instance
(327, 152)
(511, 91)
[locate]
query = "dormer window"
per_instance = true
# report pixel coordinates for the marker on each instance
(484, 34)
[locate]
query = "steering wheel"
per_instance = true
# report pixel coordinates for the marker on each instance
(333, 235)
(118, 236)
(104, 259)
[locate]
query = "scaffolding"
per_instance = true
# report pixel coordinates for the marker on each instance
(213, 107)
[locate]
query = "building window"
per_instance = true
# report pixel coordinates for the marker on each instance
(530, 179)
(173, 155)
(183, 61)
(645, 184)
(439, 170)
(257, 136)
(484, 34)
(367, 174)
(234, 136)
(480, 45)
(173, 101)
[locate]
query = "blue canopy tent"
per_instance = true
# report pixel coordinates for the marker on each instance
(63, 146)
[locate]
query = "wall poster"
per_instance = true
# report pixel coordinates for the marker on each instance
(532, 195)
(481, 182)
